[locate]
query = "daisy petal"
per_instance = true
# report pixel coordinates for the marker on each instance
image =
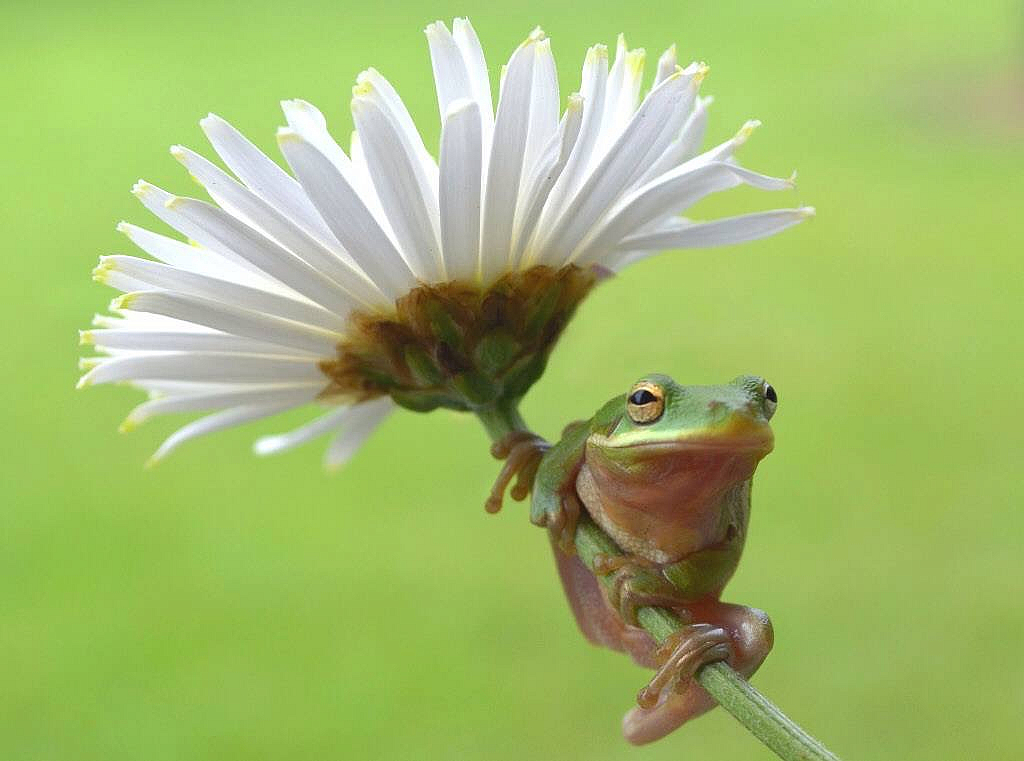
(671, 193)
(268, 257)
(294, 395)
(211, 367)
(329, 258)
(461, 159)
(479, 79)
(229, 418)
(407, 194)
(346, 213)
(232, 320)
(450, 75)
(162, 340)
(543, 106)
(613, 173)
(720, 232)
(162, 276)
(364, 420)
(320, 426)
(505, 166)
(544, 176)
(263, 177)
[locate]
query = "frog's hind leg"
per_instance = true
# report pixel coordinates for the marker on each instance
(672, 697)
(600, 623)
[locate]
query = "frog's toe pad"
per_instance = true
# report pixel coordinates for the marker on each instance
(683, 653)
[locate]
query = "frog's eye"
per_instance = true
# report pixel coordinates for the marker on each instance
(771, 399)
(645, 403)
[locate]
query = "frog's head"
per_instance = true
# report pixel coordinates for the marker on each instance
(673, 460)
(659, 414)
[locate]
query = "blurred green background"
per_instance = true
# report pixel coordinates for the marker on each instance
(223, 607)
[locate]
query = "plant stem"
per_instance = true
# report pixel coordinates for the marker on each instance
(760, 716)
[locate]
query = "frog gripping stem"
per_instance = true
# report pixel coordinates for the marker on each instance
(690, 653)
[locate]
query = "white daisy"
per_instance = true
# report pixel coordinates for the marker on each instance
(381, 275)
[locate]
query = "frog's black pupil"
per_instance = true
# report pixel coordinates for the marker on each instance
(770, 395)
(643, 396)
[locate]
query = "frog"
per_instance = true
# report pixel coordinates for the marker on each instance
(665, 470)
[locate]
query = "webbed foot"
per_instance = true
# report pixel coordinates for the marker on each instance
(670, 700)
(522, 452)
(683, 653)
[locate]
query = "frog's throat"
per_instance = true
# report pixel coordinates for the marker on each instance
(458, 345)
(664, 516)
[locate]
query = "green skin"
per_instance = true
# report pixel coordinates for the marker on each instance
(674, 494)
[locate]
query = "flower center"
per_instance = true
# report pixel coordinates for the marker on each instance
(456, 345)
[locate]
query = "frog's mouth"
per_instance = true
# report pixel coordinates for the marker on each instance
(724, 445)
(740, 435)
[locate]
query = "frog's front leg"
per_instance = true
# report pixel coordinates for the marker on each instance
(556, 505)
(741, 635)
(522, 452)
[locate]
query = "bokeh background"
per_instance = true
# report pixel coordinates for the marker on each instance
(224, 607)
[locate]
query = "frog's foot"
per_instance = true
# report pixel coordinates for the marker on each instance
(522, 452)
(683, 653)
(677, 700)
(636, 583)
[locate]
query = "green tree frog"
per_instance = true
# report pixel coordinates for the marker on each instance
(665, 470)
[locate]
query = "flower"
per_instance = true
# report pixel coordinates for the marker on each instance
(383, 276)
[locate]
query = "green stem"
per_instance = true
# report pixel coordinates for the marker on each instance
(760, 716)
(501, 419)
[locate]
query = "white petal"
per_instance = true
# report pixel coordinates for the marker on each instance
(223, 261)
(324, 424)
(329, 258)
(685, 146)
(192, 258)
(451, 78)
(307, 121)
(268, 257)
(725, 150)
(364, 420)
(461, 160)
(505, 166)
(592, 92)
(545, 174)
(230, 319)
(293, 395)
(211, 367)
(672, 193)
(479, 79)
(544, 104)
(612, 91)
(666, 65)
(622, 92)
(347, 214)
(399, 114)
(720, 232)
(408, 197)
(265, 178)
(219, 421)
(611, 178)
(159, 340)
(163, 276)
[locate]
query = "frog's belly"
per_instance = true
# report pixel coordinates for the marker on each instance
(666, 541)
